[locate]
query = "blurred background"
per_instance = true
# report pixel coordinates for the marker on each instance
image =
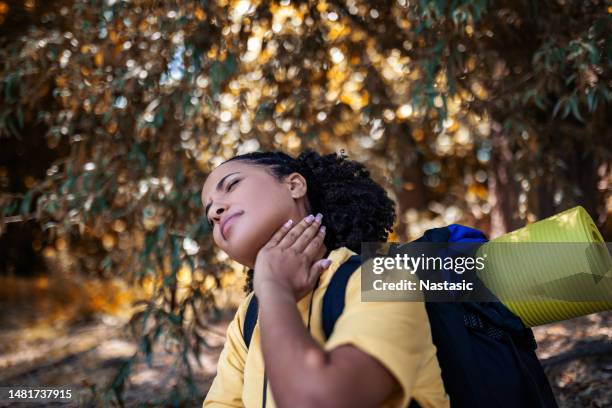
(489, 113)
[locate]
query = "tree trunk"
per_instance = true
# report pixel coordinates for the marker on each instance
(411, 193)
(503, 191)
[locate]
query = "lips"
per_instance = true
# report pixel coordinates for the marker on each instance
(227, 223)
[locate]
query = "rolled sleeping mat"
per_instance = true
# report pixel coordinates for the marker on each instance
(554, 269)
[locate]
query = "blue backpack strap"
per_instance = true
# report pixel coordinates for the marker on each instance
(250, 320)
(333, 300)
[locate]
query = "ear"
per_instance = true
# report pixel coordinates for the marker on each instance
(296, 183)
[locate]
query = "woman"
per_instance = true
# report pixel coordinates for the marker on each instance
(262, 209)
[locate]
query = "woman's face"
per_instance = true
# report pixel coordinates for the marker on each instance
(246, 205)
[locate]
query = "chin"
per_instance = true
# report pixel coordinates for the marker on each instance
(244, 250)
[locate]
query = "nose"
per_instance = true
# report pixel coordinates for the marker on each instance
(216, 210)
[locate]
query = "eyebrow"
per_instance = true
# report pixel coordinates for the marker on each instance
(218, 188)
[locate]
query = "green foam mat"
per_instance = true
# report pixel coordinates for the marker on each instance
(547, 283)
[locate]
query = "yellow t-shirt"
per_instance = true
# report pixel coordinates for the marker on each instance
(397, 334)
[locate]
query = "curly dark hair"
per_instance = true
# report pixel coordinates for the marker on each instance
(355, 208)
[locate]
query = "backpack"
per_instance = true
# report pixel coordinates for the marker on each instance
(486, 354)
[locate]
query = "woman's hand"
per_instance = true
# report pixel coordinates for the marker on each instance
(291, 260)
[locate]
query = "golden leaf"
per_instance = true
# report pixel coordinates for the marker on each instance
(108, 241)
(60, 244)
(60, 81)
(111, 127)
(418, 134)
(408, 186)
(478, 190)
(209, 283)
(200, 14)
(114, 37)
(99, 59)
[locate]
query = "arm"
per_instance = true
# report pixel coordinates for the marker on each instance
(226, 389)
(375, 345)
(303, 374)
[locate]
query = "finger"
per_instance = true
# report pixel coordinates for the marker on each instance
(280, 234)
(308, 235)
(295, 232)
(314, 249)
(318, 267)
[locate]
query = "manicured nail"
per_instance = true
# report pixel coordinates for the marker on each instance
(322, 229)
(319, 217)
(326, 263)
(310, 218)
(288, 223)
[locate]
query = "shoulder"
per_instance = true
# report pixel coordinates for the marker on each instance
(395, 333)
(381, 322)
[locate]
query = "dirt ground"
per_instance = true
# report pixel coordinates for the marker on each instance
(577, 356)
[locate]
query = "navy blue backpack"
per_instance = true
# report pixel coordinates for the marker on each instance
(486, 354)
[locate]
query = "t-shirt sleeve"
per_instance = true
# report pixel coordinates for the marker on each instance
(226, 388)
(397, 334)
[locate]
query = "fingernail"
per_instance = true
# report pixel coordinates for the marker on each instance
(288, 223)
(310, 218)
(326, 263)
(319, 217)
(322, 229)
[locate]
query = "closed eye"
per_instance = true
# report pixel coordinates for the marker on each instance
(232, 184)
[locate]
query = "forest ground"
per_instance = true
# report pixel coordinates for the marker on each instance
(39, 348)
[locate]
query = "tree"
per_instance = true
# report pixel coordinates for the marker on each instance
(492, 113)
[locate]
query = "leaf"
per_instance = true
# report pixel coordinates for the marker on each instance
(49, 225)
(137, 154)
(11, 127)
(8, 209)
(161, 232)
(527, 95)
(20, 117)
(8, 84)
(539, 103)
(150, 242)
(216, 76)
(175, 319)
(566, 110)
(124, 372)
(558, 106)
(169, 280)
(593, 53)
(140, 302)
(230, 65)
(479, 8)
(439, 7)
(459, 16)
(157, 333)
(107, 263)
(176, 260)
(591, 100)
(574, 107)
(67, 185)
(147, 350)
(24, 209)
